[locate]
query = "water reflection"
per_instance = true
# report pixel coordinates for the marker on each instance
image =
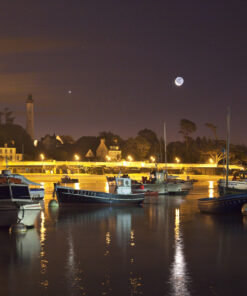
(43, 259)
(74, 271)
(20, 248)
(115, 233)
(123, 227)
(179, 278)
(211, 189)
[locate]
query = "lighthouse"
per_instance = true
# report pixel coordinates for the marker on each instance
(29, 114)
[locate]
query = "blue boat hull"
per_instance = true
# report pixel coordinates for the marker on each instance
(222, 205)
(66, 195)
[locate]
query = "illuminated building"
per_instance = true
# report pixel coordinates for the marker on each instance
(9, 153)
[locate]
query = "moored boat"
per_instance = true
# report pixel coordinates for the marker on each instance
(37, 192)
(223, 204)
(66, 179)
(237, 185)
(120, 193)
(16, 202)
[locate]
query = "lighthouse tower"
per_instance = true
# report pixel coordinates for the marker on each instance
(29, 112)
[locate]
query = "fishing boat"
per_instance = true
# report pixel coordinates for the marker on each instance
(16, 202)
(37, 192)
(186, 185)
(155, 183)
(223, 204)
(237, 185)
(226, 203)
(120, 193)
(66, 179)
(14, 195)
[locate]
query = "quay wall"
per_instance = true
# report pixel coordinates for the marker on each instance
(79, 167)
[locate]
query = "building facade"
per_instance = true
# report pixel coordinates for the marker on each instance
(114, 153)
(9, 153)
(102, 150)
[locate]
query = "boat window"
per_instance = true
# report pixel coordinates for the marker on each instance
(20, 192)
(120, 183)
(4, 192)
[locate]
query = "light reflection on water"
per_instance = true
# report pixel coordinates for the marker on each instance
(159, 248)
(43, 260)
(211, 189)
(179, 278)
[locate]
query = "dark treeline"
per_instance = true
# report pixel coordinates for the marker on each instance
(146, 144)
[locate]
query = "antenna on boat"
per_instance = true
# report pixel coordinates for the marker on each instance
(165, 148)
(228, 117)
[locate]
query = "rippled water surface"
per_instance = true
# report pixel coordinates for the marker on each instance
(165, 247)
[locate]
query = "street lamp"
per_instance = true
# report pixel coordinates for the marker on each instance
(77, 157)
(177, 160)
(152, 158)
(130, 158)
(211, 160)
(108, 158)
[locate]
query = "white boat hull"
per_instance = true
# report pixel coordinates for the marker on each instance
(161, 188)
(239, 185)
(10, 217)
(174, 187)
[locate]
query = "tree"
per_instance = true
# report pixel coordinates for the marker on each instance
(187, 127)
(142, 147)
(111, 139)
(13, 133)
(213, 128)
(138, 148)
(153, 141)
(8, 116)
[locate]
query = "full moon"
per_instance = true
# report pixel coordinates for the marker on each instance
(179, 81)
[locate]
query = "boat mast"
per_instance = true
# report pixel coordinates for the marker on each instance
(165, 148)
(227, 143)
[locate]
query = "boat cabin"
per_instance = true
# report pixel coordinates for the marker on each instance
(240, 176)
(119, 185)
(12, 189)
(157, 177)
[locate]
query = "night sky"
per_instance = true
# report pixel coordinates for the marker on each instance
(120, 59)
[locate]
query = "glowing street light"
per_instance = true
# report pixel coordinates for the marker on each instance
(211, 160)
(42, 156)
(77, 157)
(177, 160)
(130, 158)
(108, 158)
(152, 158)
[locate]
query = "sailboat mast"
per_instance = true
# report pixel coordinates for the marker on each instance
(227, 143)
(165, 146)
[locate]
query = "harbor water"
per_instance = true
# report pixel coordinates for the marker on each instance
(164, 247)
